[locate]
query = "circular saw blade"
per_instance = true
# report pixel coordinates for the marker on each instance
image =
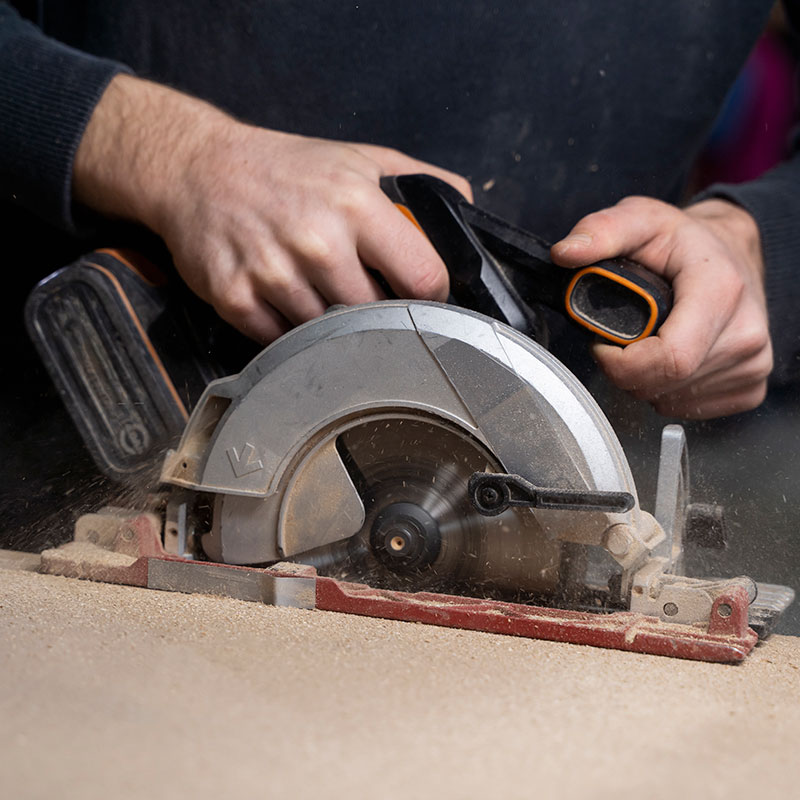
(412, 474)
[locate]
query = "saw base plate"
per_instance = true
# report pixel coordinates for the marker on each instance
(127, 549)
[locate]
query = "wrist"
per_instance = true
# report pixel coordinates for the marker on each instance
(735, 226)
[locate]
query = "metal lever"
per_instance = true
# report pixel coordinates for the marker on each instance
(492, 493)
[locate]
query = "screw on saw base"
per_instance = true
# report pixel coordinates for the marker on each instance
(724, 610)
(670, 609)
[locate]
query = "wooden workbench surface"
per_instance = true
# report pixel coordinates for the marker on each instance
(118, 692)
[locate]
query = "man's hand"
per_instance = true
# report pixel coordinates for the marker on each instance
(269, 228)
(713, 354)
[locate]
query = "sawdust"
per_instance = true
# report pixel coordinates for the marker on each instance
(113, 691)
(55, 524)
(86, 555)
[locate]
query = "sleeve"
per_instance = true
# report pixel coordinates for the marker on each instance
(47, 94)
(773, 200)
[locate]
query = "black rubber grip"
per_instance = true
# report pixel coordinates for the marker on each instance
(619, 300)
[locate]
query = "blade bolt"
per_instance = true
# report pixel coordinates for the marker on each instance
(489, 497)
(398, 542)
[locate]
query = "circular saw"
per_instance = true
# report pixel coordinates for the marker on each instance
(424, 451)
(417, 446)
(410, 460)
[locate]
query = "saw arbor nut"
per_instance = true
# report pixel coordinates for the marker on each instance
(405, 537)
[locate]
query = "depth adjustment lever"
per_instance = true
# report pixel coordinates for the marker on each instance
(491, 493)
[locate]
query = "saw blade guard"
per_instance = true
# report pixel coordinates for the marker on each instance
(365, 408)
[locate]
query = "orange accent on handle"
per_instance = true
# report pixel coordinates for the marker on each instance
(409, 216)
(629, 285)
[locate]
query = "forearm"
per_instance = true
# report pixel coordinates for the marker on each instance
(140, 142)
(271, 228)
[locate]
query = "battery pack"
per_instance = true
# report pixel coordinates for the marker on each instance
(123, 354)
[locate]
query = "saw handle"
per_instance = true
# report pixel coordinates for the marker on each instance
(494, 265)
(477, 282)
(620, 300)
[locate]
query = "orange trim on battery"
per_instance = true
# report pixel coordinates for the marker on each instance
(145, 338)
(137, 263)
(627, 284)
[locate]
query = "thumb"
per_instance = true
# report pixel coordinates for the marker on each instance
(621, 230)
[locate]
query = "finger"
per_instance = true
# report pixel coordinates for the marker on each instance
(394, 246)
(316, 270)
(328, 261)
(393, 162)
(735, 370)
(342, 278)
(623, 229)
(748, 372)
(276, 279)
(724, 404)
(255, 319)
(686, 346)
(657, 364)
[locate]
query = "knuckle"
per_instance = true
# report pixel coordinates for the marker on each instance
(752, 340)
(279, 284)
(758, 367)
(233, 305)
(679, 365)
(634, 201)
(355, 193)
(766, 362)
(313, 245)
(746, 400)
(733, 283)
(759, 394)
(601, 218)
